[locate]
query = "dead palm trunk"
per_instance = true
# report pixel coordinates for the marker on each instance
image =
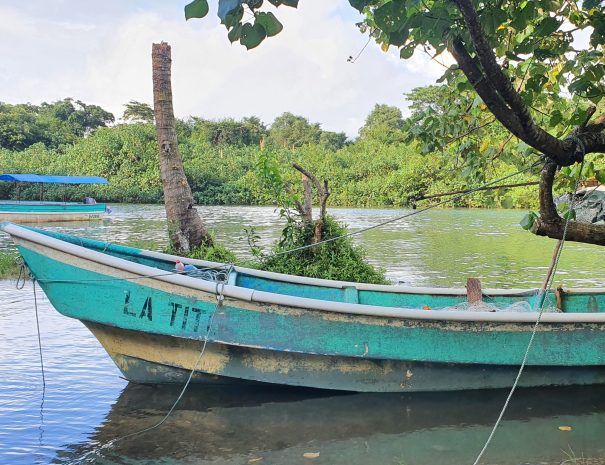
(185, 227)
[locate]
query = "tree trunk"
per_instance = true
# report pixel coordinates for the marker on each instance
(185, 227)
(306, 208)
(550, 224)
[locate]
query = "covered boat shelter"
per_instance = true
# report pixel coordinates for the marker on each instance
(51, 179)
(40, 211)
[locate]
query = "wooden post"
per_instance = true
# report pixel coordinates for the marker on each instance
(473, 290)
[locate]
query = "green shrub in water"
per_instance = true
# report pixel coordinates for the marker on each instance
(213, 253)
(338, 260)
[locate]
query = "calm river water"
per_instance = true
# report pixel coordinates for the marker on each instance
(86, 403)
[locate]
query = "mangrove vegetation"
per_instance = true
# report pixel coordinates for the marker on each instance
(386, 165)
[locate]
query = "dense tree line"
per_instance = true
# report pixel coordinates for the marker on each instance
(224, 159)
(52, 124)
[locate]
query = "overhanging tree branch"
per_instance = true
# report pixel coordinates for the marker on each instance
(564, 152)
(550, 224)
(486, 90)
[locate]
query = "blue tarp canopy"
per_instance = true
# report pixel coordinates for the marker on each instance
(53, 179)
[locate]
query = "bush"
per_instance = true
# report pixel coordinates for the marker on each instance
(213, 253)
(339, 260)
(9, 265)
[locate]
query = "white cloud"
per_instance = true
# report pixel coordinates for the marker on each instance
(105, 58)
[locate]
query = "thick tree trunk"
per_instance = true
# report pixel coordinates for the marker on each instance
(498, 92)
(185, 227)
(550, 224)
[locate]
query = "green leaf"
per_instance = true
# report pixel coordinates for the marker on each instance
(522, 18)
(547, 26)
(528, 221)
(359, 5)
(196, 9)
(555, 118)
(391, 16)
(600, 176)
(569, 215)
(399, 37)
(269, 22)
(492, 19)
(234, 17)
(235, 33)
(407, 52)
(252, 35)
(226, 7)
(512, 56)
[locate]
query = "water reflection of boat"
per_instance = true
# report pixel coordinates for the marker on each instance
(234, 425)
(284, 329)
(42, 211)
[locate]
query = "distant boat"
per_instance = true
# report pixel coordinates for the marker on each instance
(41, 212)
(292, 330)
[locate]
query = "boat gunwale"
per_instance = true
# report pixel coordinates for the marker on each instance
(263, 297)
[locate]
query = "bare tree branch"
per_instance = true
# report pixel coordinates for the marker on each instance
(322, 191)
(322, 188)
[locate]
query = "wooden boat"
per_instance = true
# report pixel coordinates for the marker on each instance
(41, 212)
(275, 328)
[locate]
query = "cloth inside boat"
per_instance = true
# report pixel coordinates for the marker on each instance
(589, 204)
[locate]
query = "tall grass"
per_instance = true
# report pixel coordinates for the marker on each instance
(9, 267)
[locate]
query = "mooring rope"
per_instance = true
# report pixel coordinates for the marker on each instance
(22, 276)
(220, 275)
(219, 303)
(546, 287)
(39, 336)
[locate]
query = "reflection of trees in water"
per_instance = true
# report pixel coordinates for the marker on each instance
(226, 423)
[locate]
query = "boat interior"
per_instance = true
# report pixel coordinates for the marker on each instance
(559, 300)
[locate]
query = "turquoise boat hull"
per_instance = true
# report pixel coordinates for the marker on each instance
(299, 331)
(43, 212)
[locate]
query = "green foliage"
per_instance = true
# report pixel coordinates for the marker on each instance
(534, 37)
(384, 123)
(528, 221)
(138, 112)
(9, 265)
(292, 131)
(332, 140)
(225, 164)
(228, 131)
(214, 253)
(231, 13)
(339, 259)
(52, 124)
(126, 154)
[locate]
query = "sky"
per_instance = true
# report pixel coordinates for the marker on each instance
(100, 52)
